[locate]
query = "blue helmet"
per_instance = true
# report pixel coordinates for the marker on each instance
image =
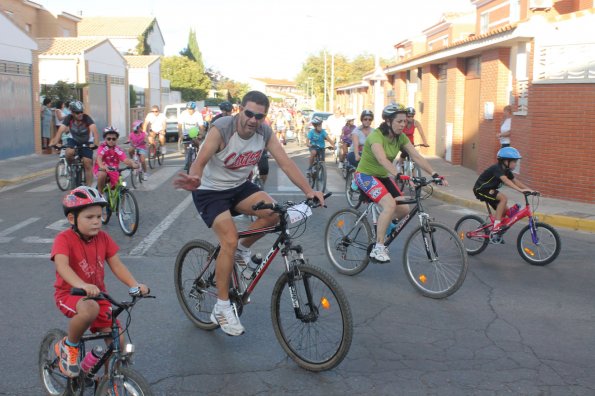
(191, 105)
(509, 153)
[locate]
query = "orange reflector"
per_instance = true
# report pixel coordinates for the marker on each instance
(325, 303)
(423, 278)
(462, 235)
(529, 252)
(340, 223)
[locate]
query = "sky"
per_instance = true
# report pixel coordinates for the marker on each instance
(272, 39)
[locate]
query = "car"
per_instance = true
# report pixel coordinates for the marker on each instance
(172, 113)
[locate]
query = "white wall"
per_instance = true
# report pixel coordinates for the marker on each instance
(125, 45)
(52, 70)
(155, 98)
(104, 59)
(118, 108)
(138, 78)
(155, 75)
(155, 41)
(15, 46)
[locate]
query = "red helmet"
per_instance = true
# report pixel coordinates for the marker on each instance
(80, 198)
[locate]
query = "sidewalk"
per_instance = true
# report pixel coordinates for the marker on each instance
(559, 213)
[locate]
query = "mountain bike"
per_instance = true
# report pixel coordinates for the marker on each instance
(62, 171)
(310, 313)
(76, 170)
(410, 169)
(119, 377)
(434, 258)
(120, 200)
(191, 151)
(136, 174)
(317, 175)
(155, 152)
(538, 243)
(352, 192)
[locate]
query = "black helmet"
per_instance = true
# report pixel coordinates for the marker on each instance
(226, 106)
(77, 106)
(391, 111)
(366, 113)
(316, 121)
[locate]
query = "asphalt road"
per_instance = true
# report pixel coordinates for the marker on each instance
(511, 329)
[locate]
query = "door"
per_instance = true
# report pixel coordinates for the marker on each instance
(440, 143)
(118, 105)
(98, 100)
(471, 113)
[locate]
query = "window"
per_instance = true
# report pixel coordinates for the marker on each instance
(473, 67)
(484, 22)
(442, 69)
(419, 75)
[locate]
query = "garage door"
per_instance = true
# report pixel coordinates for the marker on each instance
(16, 115)
(118, 106)
(98, 100)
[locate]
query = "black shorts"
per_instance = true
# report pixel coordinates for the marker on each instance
(85, 152)
(487, 195)
(263, 164)
(404, 154)
(211, 203)
(320, 150)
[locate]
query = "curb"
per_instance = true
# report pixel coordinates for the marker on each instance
(573, 223)
(21, 179)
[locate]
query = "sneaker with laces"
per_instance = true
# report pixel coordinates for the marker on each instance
(228, 319)
(380, 254)
(243, 258)
(69, 358)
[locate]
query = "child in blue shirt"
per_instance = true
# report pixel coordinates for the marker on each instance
(317, 136)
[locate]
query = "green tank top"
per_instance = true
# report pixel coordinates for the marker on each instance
(368, 164)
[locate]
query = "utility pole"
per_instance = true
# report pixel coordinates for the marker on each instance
(332, 96)
(325, 94)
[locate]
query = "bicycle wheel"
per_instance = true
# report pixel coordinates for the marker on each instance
(319, 336)
(197, 295)
(152, 153)
(189, 159)
(106, 213)
(351, 194)
(133, 177)
(435, 260)
(469, 230)
(346, 243)
(320, 178)
(52, 379)
(539, 245)
(160, 156)
(124, 381)
(128, 212)
(62, 175)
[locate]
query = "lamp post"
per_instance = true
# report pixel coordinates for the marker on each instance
(325, 83)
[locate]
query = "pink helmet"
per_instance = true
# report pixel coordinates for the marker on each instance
(80, 198)
(137, 125)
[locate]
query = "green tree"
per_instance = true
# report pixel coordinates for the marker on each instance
(62, 90)
(192, 51)
(236, 90)
(185, 76)
(133, 97)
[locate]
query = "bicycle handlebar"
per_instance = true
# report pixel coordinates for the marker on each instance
(534, 193)
(421, 181)
(282, 208)
(91, 146)
(75, 291)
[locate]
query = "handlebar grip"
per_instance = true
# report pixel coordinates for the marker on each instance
(257, 206)
(403, 177)
(76, 291)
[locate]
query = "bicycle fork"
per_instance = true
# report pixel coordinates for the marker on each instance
(294, 274)
(428, 237)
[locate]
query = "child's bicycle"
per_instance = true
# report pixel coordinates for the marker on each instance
(538, 243)
(136, 174)
(191, 150)
(310, 313)
(317, 175)
(120, 200)
(434, 258)
(119, 378)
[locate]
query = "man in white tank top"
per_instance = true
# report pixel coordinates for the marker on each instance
(218, 179)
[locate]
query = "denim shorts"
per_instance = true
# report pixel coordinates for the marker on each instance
(211, 203)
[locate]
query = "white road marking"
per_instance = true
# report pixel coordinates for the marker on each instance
(59, 225)
(150, 239)
(36, 239)
(16, 227)
(158, 178)
(45, 187)
(25, 255)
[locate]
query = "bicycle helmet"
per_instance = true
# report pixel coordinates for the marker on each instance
(366, 113)
(111, 130)
(410, 111)
(226, 106)
(316, 121)
(191, 105)
(349, 118)
(82, 197)
(509, 153)
(193, 133)
(391, 111)
(77, 106)
(136, 125)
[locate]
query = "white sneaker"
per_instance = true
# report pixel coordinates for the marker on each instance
(243, 258)
(228, 319)
(340, 165)
(380, 254)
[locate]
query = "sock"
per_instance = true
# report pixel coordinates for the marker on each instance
(496, 223)
(71, 344)
(223, 303)
(379, 245)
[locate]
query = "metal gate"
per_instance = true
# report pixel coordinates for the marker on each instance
(119, 110)
(98, 100)
(16, 115)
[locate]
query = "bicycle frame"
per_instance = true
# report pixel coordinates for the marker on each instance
(114, 193)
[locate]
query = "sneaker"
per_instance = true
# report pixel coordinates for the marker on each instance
(243, 258)
(69, 358)
(145, 176)
(228, 319)
(380, 254)
(340, 165)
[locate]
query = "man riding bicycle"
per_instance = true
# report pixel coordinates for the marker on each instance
(82, 131)
(190, 118)
(219, 185)
(157, 121)
(375, 167)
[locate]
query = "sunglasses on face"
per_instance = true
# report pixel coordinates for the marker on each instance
(77, 112)
(367, 119)
(110, 139)
(250, 114)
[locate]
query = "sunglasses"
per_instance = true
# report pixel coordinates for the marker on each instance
(367, 119)
(77, 112)
(154, 111)
(250, 114)
(111, 139)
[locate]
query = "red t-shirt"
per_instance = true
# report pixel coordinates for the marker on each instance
(87, 259)
(409, 130)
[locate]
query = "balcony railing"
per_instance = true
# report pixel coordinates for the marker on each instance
(572, 63)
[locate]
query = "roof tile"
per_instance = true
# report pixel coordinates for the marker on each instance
(140, 61)
(66, 45)
(114, 26)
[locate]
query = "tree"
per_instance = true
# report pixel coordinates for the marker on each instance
(236, 90)
(133, 97)
(192, 51)
(62, 90)
(185, 76)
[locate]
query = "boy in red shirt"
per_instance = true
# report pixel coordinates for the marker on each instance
(109, 156)
(80, 254)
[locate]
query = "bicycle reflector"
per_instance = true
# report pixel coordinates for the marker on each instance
(529, 252)
(325, 303)
(423, 278)
(340, 223)
(462, 235)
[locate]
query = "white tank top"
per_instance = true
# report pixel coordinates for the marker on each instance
(231, 166)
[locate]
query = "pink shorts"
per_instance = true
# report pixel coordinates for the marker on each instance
(67, 305)
(112, 175)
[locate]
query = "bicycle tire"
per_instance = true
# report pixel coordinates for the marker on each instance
(124, 381)
(348, 251)
(321, 178)
(151, 154)
(444, 274)
(161, 156)
(472, 223)
(128, 214)
(528, 250)
(133, 175)
(62, 173)
(197, 297)
(106, 213)
(312, 285)
(351, 195)
(53, 381)
(189, 159)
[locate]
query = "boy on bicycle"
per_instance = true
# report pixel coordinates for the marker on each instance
(109, 156)
(80, 255)
(486, 186)
(138, 141)
(317, 136)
